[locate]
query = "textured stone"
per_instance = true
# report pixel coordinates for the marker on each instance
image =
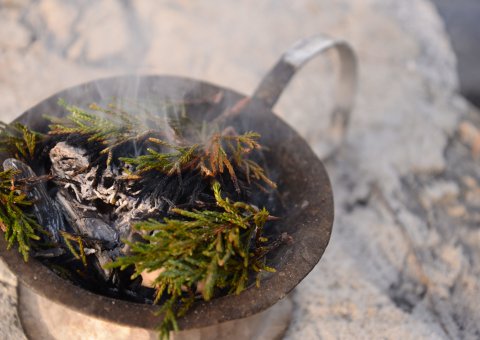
(10, 327)
(396, 267)
(6, 276)
(96, 29)
(13, 35)
(438, 191)
(58, 19)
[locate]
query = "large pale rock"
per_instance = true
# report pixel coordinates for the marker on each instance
(6, 276)
(10, 327)
(404, 257)
(98, 25)
(13, 35)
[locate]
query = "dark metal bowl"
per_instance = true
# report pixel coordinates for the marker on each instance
(302, 183)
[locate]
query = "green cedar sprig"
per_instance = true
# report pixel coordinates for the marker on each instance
(19, 228)
(169, 163)
(220, 153)
(212, 153)
(80, 254)
(199, 252)
(16, 140)
(112, 127)
(240, 147)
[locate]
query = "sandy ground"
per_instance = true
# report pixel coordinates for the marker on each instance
(404, 259)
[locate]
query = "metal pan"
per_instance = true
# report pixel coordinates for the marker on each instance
(302, 179)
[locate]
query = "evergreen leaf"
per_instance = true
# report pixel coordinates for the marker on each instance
(204, 251)
(19, 228)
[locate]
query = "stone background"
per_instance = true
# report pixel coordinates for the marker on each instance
(461, 21)
(404, 259)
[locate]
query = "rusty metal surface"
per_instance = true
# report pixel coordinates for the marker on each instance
(274, 83)
(304, 187)
(43, 319)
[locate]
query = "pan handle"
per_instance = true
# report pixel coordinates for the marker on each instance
(293, 59)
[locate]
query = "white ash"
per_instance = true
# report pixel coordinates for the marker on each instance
(71, 164)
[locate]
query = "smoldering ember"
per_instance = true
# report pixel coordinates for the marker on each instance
(144, 203)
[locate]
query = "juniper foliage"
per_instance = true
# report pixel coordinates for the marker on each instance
(110, 127)
(19, 228)
(16, 140)
(199, 252)
(80, 254)
(170, 163)
(221, 153)
(178, 146)
(214, 244)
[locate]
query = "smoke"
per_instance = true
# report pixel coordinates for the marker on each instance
(51, 45)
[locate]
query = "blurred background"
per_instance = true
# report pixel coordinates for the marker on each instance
(461, 22)
(404, 258)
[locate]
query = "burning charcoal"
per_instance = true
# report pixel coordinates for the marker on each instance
(104, 257)
(86, 221)
(45, 209)
(48, 253)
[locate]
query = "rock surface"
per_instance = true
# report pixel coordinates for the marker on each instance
(10, 324)
(461, 20)
(404, 259)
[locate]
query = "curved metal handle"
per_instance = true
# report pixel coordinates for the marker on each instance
(291, 61)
